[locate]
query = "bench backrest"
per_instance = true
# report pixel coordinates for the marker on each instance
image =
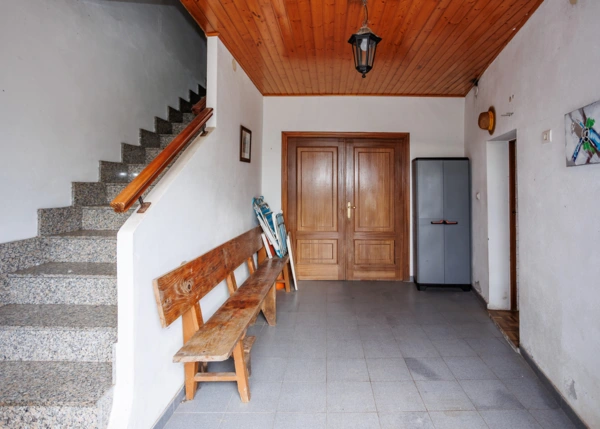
(182, 288)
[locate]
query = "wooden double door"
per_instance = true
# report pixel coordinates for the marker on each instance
(347, 199)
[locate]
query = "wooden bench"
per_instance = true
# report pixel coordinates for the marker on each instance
(178, 294)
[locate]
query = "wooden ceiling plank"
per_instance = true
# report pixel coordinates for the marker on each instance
(487, 56)
(482, 47)
(455, 11)
(289, 55)
(328, 28)
(231, 37)
(318, 33)
(192, 7)
(487, 18)
(240, 13)
(295, 20)
(424, 22)
(389, 49)
(309, 43)
(339, 38)
(453, 32)
(260, 25)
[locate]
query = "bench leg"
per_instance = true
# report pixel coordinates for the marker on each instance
(241, 371)
(286, 277)
(191, 385)
(269, 306)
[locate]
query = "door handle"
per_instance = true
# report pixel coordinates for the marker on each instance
(437, 222)
(450, 222)
(350, 207)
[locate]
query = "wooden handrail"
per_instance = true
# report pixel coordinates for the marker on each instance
(136, 188)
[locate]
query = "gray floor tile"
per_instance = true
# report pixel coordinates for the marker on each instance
(345, 349)
(341, 320)
(352, 421)
(247, 421)
(405, 420)
(457, 420)
(350, 397)
(453, 348)
(303, 398)
(493, 346)
(469, 368)
(311, 348)
(388, 369)
(490, 395)
(440, 332)
(429, 369)
(552, 419)
(444, 396)
(375, 332)
(194, 420)
(381, 348)
(508, 366)
(300, 421)
(476, 330)
(343, 333)
(531, 393)
(509, 419)
(317, 332)
(306, 370)
(409, 333)
(341, 369)
(272, 348)
(268, 368)
(264, 398)
(417, 348)
(310, 319)
(270, 333)
(396, 396)
(210, 397)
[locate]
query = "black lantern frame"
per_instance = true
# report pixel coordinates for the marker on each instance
(364, 45)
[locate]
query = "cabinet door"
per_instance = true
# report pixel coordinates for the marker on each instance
(430, 190)
(430, 252)
(457, 237)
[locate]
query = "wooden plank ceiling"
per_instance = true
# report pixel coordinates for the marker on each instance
(299, 47)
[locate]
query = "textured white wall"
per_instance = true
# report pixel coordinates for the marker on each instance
(551, 67)
(78, 78)
(435, 126)
(499, 225)
(203, 200)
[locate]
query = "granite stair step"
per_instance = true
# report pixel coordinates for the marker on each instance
(82, 283)
(58, 332)
(103, 218)
(55, 394)
(178, 128)
(188, 117)
(81, 246)
(165, 139)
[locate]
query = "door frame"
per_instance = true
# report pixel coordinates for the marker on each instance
(402, 139)
(512, 192)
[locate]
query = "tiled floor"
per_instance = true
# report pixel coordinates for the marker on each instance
(362, 355)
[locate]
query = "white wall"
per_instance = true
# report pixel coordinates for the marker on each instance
(435, 126)
(78, 78)
(551, 67)
(203, 201)
(499, 225)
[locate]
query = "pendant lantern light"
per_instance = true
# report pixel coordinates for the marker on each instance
(364, 44)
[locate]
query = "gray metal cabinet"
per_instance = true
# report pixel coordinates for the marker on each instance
(442, 222)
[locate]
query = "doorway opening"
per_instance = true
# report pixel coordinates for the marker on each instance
(502, 236)
(346, 198)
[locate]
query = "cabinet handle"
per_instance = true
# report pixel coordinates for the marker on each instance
(437, 222)
(450, 222)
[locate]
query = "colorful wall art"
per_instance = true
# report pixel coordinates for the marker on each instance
(582, 139)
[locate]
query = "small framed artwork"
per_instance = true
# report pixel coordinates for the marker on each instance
(245, 144)
(582, 142)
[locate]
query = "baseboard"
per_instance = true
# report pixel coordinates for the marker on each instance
(570, 413)
(480, 298)
(166, 415)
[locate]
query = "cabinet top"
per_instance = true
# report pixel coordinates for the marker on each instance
(441, 159)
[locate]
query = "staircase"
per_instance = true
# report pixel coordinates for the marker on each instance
(58, 320)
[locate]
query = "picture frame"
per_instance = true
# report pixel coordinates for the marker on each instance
(582, 136)
(245, 144)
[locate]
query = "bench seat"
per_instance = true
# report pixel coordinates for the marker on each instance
(215, 340)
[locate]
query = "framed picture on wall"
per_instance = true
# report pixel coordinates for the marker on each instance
(582, 142)
(245, 144)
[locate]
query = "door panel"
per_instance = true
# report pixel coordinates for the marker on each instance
(430, 177)
(315, 216)
(458, 253)
(456, 191)
(374, 189)
(374, 232)
(430, 251)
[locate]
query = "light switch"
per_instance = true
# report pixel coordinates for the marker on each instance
(547, 136)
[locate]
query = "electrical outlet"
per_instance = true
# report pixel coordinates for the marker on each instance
(547, 136)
